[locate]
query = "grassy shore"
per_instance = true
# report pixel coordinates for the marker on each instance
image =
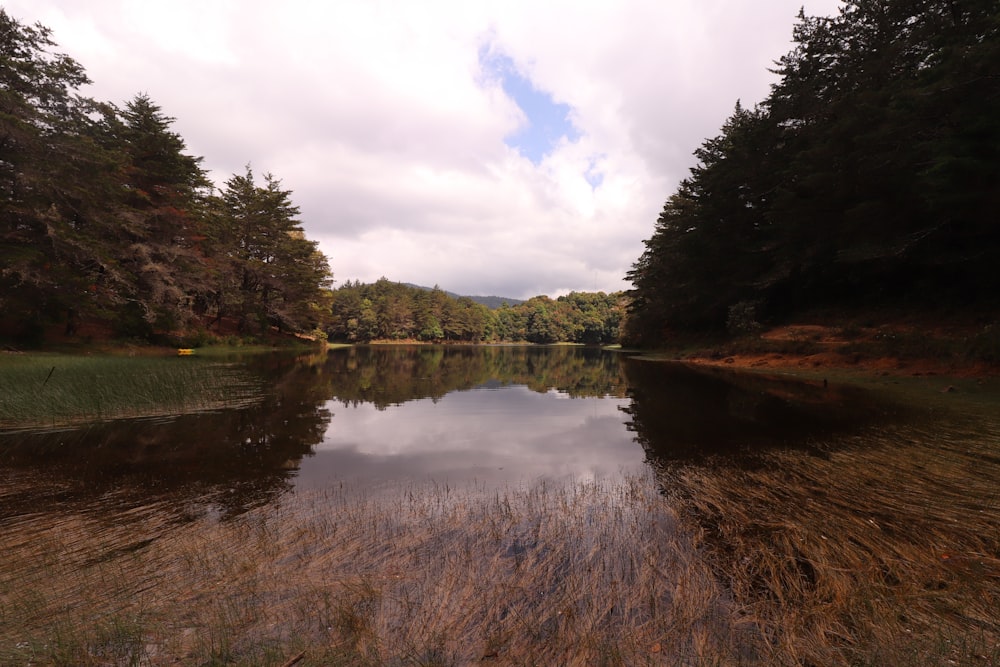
(50, 390)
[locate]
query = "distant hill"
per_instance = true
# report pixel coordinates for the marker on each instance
(491, 302)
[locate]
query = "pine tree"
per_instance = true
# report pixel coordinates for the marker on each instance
(56, 179)
(275, 276)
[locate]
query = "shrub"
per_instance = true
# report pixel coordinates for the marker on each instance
(742, 319)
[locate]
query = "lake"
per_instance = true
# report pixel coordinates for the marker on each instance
(819, 521)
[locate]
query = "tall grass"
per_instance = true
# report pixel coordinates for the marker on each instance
(583, 573)
(882, 548)
(776, 568)
(53, 390)
(883, 552)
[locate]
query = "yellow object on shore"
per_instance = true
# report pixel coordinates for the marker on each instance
(184, 352)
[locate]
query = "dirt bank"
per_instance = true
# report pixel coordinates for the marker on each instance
(900, 350)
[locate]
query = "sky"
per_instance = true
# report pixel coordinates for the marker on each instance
(508, 148)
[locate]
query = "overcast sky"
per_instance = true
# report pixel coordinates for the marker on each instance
(508, 148)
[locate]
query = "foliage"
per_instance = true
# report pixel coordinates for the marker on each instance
(742, 320)
(105, 217)
(55, 176)
(870, 173)
(386, 310)
(275, 275)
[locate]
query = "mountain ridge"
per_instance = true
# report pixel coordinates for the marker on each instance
(492, 302)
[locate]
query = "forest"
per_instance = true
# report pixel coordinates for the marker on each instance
(104, 217)
(393, 311)
(868, 178)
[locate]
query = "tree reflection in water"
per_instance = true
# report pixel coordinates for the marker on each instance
(229, 460)
(679, 412)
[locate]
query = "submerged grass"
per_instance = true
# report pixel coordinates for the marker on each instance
(588, 573)
(815, 564)
(883, 552)
(55, 389)
(882, 548)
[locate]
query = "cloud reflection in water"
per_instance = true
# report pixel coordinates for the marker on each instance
(490, 434)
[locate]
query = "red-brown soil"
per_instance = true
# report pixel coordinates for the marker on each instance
(828, 349)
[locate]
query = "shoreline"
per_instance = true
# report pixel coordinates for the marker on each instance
(838, 363)
(815, 350)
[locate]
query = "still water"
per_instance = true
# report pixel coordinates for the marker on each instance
(379, 417)
(759, 514)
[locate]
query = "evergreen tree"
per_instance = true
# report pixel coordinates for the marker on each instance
(869, 175)
(104, 215)
(56, 179)
(163, 215)
(275, 277)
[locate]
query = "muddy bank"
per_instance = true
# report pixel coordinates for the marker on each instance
(898, 350)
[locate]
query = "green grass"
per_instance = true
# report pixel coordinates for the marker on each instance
(54, 389)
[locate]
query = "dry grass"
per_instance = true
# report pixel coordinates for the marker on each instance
(589, 573)
(882, 552)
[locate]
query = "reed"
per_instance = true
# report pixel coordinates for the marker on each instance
(878, 552)
(575, 574)
(583, 573)
(55, 390)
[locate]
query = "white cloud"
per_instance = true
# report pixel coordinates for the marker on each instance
(378, 117)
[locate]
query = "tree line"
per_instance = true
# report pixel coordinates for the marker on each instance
(870, 175)
(105, 216)
(385, 310)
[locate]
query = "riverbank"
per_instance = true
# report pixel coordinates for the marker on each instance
(886, 350)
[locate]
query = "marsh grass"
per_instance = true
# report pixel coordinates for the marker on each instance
(56, 390)
(879, 553)
(882, 550)
(580, 573)
(794, 565)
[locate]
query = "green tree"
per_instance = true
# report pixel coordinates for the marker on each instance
(869, 174)
(163, 218)
(276, 276)
(56, 179)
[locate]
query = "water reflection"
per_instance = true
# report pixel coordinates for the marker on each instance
(381, 416)
(816, 506)
(684, 413)
(229, 460)
(487, 415)
(488, 434)
(391, 375)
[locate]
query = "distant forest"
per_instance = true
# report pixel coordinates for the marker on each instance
(386, 310)
(869, 176)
